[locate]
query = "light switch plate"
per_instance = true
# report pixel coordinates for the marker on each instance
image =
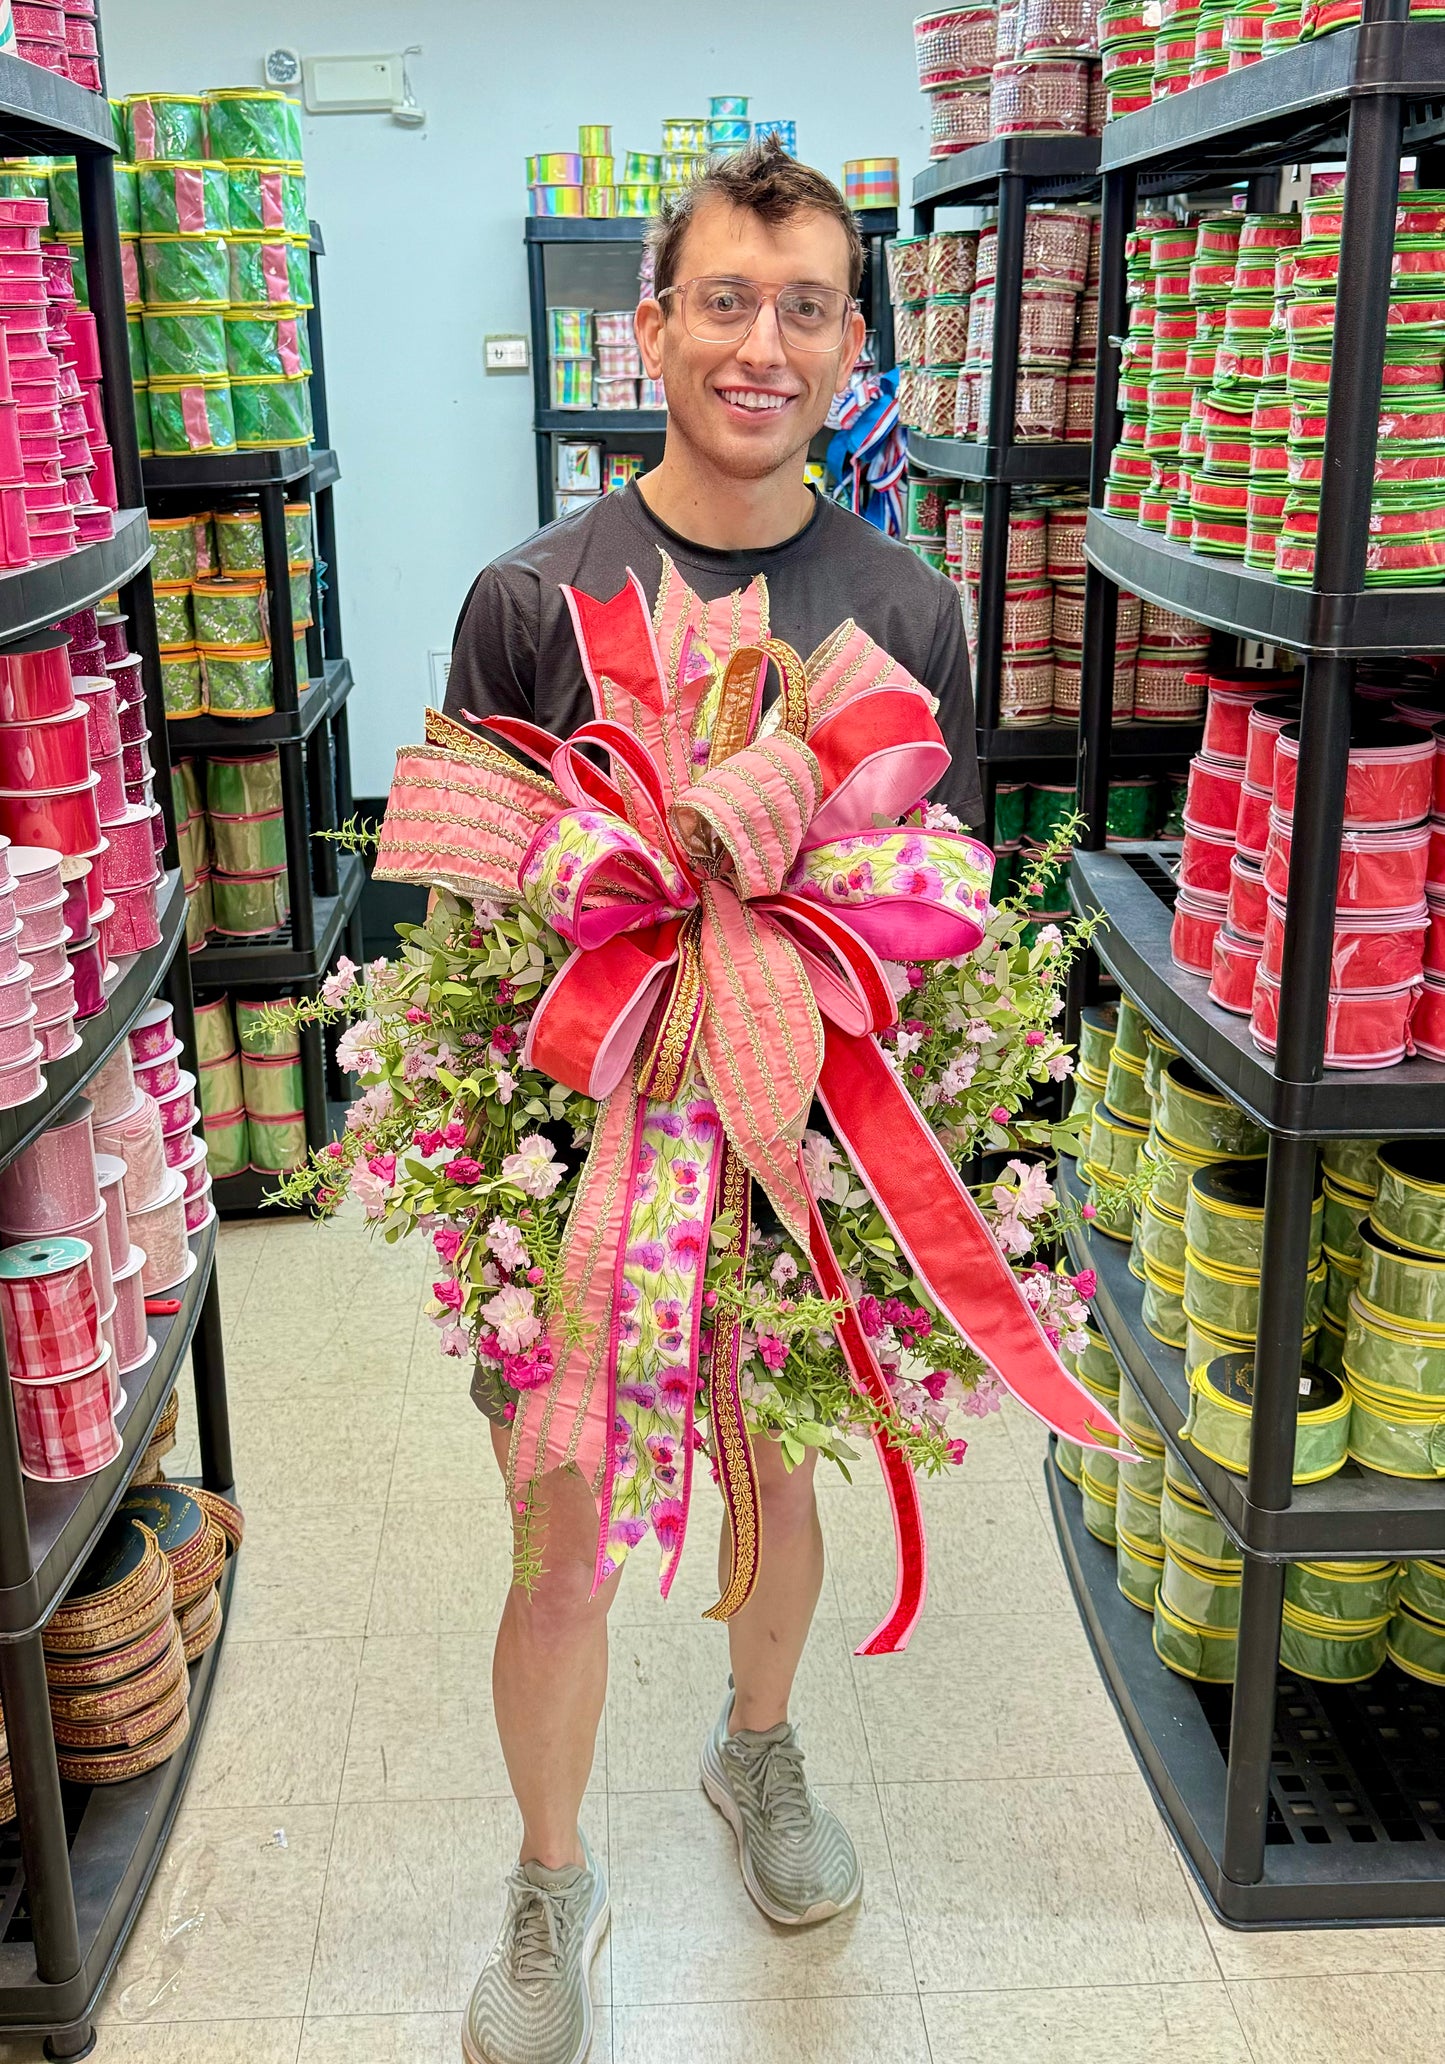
(506, 354)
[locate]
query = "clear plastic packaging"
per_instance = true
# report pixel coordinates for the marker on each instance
(1221, 1413)
(1365, 1028)
(271, 410)
(190, 416)
(1378, 870)
(238, 680)
(1389, 782)
(1373, 949)
(1201, 1119)
(1205, 1597)
(1224, 1217)
(185, 270)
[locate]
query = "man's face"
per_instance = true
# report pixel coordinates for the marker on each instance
(750, 408)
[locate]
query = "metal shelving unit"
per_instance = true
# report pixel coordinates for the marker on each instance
(308, 728)
(1007, 173)
(75, 1865)
(1294, 1804)
(582, 235)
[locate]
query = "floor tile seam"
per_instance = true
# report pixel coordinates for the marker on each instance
(320, 1915)
(796, 1991)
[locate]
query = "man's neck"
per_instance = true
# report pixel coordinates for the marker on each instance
(721, 514)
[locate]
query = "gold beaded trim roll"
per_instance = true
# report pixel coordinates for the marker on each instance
(118, 1767)
(93, 1624)
(131, 1730)
(114, 1664)
(200, 1625)
(103, 1704)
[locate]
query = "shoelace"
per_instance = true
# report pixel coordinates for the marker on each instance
(537, 1931)
(774, 1771)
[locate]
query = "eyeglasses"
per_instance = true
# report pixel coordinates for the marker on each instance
(723, 311)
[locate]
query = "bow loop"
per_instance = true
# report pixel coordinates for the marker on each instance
(749, 816)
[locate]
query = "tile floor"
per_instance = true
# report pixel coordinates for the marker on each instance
(332, 1883)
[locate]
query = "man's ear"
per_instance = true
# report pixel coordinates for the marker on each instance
(647, 323)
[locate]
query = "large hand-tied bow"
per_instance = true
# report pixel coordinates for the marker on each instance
(729, 891)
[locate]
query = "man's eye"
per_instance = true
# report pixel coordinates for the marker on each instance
(810, 311)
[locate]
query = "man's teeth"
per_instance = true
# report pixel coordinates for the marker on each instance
(742, 397)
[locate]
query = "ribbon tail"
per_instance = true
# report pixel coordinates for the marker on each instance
(910, 1589)
(737, 1473)
(953, 1253)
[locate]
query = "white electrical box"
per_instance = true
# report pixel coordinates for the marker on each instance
(353, 85)
(506, 354)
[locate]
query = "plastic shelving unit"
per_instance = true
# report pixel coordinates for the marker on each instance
(1296, 1804)
(308, 728)
(75, 1864)
(1008, 173)
(589, 277)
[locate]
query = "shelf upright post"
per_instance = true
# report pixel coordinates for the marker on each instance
(1371, 189)
(31, 1737)
(283, 666)
(320, 413)
(997, 494)
(537, 304)
(1101, 597)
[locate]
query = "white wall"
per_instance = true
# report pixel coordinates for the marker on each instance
(424, 242)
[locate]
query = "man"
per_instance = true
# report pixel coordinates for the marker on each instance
(753, 329)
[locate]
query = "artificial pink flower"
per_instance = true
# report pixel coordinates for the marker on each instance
(773, 1351)
(446, 1240)
(514, 1315)
(532, 1168)
(336, 987)
(1086, 1282)
(449, 1293)
(426, 1142)
(384, 1166)
(463, 1170)
(454, 1133)
(507, 1244)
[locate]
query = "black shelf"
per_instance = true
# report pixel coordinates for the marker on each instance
(66, 1519)
(274, 962)
(119, 1835)
(1236, 599)
(585, 229)
(43, 115)
(1355, 1513)
(1071, 162)
(1130, 885)
(100, 1035)
(1288, 107)
(581, 422)
(958, 458)
(1351, 1827)
(1139, 746)
(320, 698)
(236, 472)
(32, 598)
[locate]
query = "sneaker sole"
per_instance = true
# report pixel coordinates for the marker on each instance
(591, 1943)
(715, 1784)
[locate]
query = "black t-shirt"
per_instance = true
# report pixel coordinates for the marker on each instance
(515, 653)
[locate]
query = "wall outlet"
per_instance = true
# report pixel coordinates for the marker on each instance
(506, 354)
(440, 663)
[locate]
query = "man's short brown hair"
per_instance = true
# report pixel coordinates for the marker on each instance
(763, 179)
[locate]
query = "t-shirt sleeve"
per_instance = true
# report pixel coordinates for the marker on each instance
(494, 653)
(948, 677)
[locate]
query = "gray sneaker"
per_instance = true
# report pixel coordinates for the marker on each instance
(797, 1860)
(532, 2003)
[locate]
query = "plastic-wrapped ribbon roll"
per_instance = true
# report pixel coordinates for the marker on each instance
(184, 343)
(271, 410)
(159, 1230)
(248, 906)
(272, 1086)
(679, 167)
(732, 135)
(192, 415)
(174, 624)
(300, 550)
(572, 383)
(599, 171)
(181, 685)
(278, 1144)
(594, 139)
(215, 1038)
(619, 362)
(641, 168)
(569, 333)
(635, 200)
(165, 125)
(871, 182)
(98, 698)
(255, 1038)
(238, 680)
(786, 133)
(174, 538)
(556, 168)
(684, 133)
(298, 266)
(135, 1138)
(52, 1184)
(247, 122)
(238, 541)
(556, 200)
(220, 1088)
(254, 844)
(129, 858)
(132, 1341)
(189, 199)
(728, 107)
(258, 343)
(256, 198)
(184, 269)
(35, 678)
(230, 612)
(259, 271)
(599, 202)
(49, 1308)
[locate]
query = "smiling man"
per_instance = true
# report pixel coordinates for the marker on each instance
(753, 329)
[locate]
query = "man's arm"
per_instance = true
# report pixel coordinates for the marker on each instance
(494, 653)
(947, 675)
